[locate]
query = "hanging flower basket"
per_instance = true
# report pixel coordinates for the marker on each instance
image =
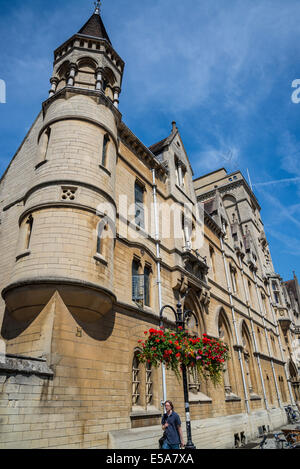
(174, 348)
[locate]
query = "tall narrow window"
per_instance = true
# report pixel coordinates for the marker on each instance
(99, 238)
(43, 146)
(275, 292)
(139, 205)
(137, 283)
(233, 279)
(250, 291)
(187, 228)
(180, 172)
(29, 223)
(104, 150)
(136, 381)
(149, 385)
(212, 259)
(147, 273)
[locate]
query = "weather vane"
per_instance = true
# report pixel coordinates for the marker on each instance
(97, 7)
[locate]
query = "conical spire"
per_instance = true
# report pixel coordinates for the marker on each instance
(94, 26)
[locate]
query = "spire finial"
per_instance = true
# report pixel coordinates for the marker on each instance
(97, 7)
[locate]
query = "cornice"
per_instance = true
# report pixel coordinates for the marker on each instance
(130, 140)
(98, 94)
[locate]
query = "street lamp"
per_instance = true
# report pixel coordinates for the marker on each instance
(181, 317)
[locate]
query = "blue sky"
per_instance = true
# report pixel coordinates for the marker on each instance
(222, 69)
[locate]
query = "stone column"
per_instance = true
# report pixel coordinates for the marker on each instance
(117, 92)
(54, 83)
(99, 81)
(72, 73)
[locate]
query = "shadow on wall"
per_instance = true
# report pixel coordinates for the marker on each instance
(100, 329)
(11, 328)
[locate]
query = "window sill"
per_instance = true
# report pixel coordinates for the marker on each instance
(41, 163)
(137, 227)
(23, 254)
(141, 412)
(101, 259)
(105, 169)
(232, 398)
(199, 397)
(254, 397)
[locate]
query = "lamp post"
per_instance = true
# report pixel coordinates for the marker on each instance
(181, 317)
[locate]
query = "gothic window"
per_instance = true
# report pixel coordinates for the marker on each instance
(105, 150)
(275, 292)
(137, 282)
(179, 172)
(99, 240)
(233, 275)
(147, 273)
(194, 381)
(248, 360)
(149, 385)
(187, 228)
(136, 380)
(139, 205)
(44, 145)
(212, 259)
(225, 336)
(264, 307)
(259, 339)
(250, 291)
(29, 224)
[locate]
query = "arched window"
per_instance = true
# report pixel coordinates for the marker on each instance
(136, 380)
(99, 238)
(29, 224)
(139, 205)
(147, 274)
(233, 275)
(248, 360)
(137, 282)
(106, 141)
(103, 241)
(149, 385)
(212, 260)
(224, 332)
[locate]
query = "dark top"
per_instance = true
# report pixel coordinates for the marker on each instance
(171, 431)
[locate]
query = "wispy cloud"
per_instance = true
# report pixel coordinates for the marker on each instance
(286, 181)
(289, 244)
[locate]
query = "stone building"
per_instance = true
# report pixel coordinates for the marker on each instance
(99, 231)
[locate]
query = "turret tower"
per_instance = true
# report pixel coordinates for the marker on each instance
(61, 247)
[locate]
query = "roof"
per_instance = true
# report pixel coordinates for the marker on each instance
(95, 27)
(157, 147)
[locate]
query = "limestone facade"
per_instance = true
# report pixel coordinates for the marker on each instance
(97, 233)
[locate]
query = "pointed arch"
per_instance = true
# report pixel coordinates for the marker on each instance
(249, 363)
(222, 315)
(87, 62)
(191, 302)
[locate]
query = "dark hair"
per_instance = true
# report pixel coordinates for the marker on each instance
(171, 404)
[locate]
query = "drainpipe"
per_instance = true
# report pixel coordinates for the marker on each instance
(235, 327)
(253, 334)
(280, 347)
(158, 267)
(262, 312)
